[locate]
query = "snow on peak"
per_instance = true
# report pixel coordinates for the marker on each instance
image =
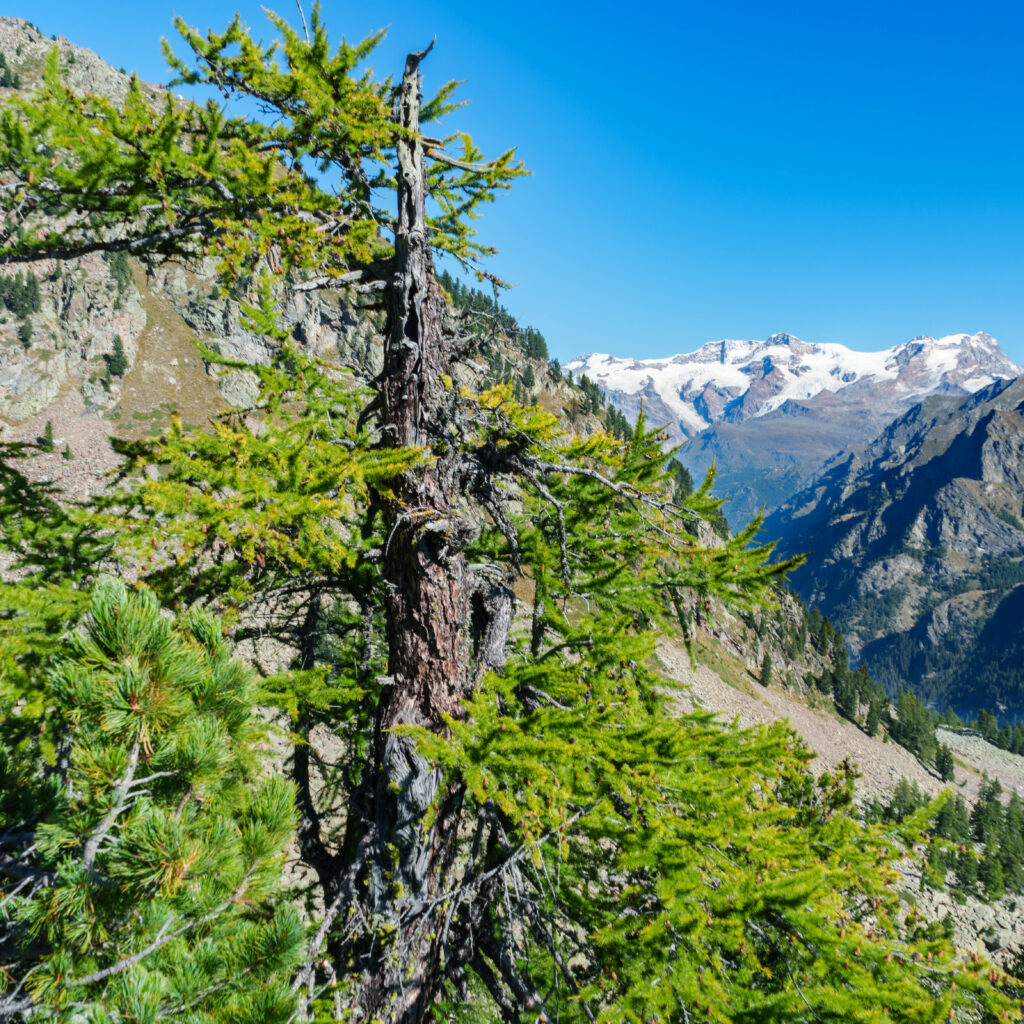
(733, 379)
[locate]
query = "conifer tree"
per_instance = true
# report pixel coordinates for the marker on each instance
(966, 867)
(873, 719)
(766, 669)
(526, 816)
(944, 764)
(990, 873)
(140, 857)
(117, 363)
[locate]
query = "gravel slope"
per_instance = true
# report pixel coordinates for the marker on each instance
(833, 739)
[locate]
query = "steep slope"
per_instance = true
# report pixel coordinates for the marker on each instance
(918, 549)
(770, 413)
(176, 300)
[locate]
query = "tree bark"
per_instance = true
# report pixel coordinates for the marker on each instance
(430, 612)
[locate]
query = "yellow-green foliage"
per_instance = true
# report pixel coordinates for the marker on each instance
(673, 867)
(610, 861)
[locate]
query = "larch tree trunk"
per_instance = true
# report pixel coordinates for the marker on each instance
(443, 622)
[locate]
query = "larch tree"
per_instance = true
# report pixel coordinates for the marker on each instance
(528, 818)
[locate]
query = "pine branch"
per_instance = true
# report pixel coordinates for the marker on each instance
(164, 937)
(120, 800)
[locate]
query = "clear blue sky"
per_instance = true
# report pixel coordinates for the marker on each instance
(848, 172)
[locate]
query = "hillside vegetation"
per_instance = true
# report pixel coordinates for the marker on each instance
(457, 740)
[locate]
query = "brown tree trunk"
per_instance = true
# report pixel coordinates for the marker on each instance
(429, 609)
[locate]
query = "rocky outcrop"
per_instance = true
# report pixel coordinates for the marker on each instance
(70, 341)
(66, 341)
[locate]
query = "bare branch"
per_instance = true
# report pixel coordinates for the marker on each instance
(302, 15)
(120, 800)
(344, 895)
(462, 165)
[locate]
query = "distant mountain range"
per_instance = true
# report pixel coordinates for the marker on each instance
(917, 549)
(770, 413)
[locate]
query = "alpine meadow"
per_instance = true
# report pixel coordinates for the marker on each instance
(520, 822)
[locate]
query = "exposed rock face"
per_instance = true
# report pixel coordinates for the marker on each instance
(81, 310)
(770, 413)
(85, 304)
(918, 549)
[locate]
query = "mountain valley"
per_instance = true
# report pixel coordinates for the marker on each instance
(917, 549)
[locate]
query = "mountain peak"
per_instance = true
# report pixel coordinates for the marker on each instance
(753, 378)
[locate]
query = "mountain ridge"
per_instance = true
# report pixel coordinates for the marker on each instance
(917, 548)
(784, 368)
(770, 414)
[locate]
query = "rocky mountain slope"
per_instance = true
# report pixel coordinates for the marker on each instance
(917, 549)
(728, 679)
(105, 345)
(770, 413)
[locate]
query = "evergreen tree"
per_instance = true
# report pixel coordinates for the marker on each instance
(120, 270)
(944, 764)
(844, 690)
(766, 668)
(682, 482)
(1011, 844)
(47, 442)
(987, 724)
(952, 821)
(914, 726)
(873, 719)
(987, 813)
(117, 361)
(141, 855)
(990, 873)
(966, 868)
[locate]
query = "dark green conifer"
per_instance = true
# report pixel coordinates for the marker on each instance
(142, 853)
(966, 867)
(944, 764)
(117, 361)
(873, 719)
(990, 873)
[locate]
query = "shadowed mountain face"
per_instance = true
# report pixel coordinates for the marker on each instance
(769, 414)
(917, 549)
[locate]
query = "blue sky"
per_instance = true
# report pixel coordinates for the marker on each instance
(847, 172)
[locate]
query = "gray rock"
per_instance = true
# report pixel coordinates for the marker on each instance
(240, 388)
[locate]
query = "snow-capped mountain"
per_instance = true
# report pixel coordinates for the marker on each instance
(769, 413)
(733, 381)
